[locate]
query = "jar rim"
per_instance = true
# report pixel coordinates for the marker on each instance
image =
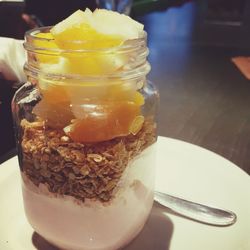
(134, 46)
(127, 45)
(139, 73)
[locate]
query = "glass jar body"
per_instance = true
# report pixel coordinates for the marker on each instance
(86, 148)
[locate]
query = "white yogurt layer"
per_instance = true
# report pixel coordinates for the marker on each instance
(93, 225)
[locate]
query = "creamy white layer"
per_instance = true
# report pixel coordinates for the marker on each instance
(92, 225)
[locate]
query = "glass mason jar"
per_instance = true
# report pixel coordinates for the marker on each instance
(86, 135)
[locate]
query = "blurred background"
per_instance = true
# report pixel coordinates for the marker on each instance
(212, 21)
(191, 45)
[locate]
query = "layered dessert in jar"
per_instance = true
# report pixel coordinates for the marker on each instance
(86, 131)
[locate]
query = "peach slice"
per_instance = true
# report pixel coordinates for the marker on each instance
(104, 122)
(55, 106)
(55, 115)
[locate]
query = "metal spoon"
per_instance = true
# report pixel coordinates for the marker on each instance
(195, 211)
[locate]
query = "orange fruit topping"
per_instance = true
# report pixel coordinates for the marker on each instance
(54, 108)
(103, 122)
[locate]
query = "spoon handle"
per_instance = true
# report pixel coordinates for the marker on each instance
(198, 212)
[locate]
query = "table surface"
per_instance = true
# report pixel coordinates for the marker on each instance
(204, 99)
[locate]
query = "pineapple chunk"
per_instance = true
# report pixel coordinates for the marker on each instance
(95, 30)
(46, 42)
(112, 23)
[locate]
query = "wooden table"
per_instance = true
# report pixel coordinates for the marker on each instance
(204, 99)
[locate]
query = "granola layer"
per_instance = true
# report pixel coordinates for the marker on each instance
(80, 170)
